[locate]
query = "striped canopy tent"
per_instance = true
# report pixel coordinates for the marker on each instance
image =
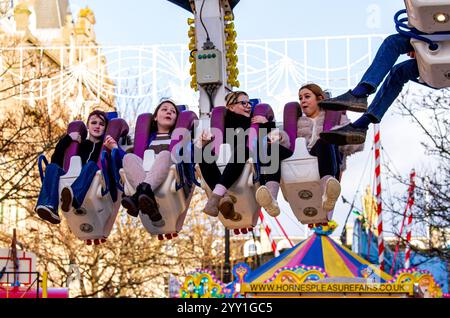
(319, 251)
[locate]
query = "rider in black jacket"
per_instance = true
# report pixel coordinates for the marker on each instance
(89, 151)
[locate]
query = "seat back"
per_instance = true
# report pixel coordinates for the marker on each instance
(72, 150)
(142, 133)
(244, 189)
(218, 123)
(332, 118)
(259, 110)
(185, 124)
(293, 111)
(116, 128)
(185, 121)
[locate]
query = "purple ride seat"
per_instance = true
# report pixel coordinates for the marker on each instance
(116, 128)
(173, 204)
(300, 173)
(72, 150)
(142, 134)
(243, 189)
(185, 121)
(100, 211)
(218, 122)
(292, 112)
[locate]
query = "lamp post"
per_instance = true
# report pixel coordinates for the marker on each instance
(226, 265)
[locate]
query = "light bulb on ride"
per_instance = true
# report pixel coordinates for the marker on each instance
(191, 32)
(441, 17)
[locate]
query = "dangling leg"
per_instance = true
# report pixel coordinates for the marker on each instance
(219, 199)
(134, 171)
(220, 183)
(267, 194)
(331, 188)
(48, 200)
(153, 179)
(230, 175)
(147, 204)
(356, 100)
(81, 185)
(392, 86)
(211, 174)
(160, 170)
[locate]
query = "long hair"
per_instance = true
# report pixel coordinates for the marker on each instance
(232, 97)
(316, 89)
(154, 124)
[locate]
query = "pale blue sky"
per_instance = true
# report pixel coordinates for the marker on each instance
(160, 21)
(136, 22)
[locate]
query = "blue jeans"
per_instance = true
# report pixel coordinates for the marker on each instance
(391, 48)
(82, 183)
(49, 195)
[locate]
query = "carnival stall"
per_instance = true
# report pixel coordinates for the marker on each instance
(316, 267)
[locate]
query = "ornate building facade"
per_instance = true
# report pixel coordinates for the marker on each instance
(45, 58)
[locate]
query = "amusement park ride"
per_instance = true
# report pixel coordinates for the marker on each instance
(214, 73)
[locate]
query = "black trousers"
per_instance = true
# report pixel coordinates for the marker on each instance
(235, 166)
(271, 165)
(328, 157)
(232, 171)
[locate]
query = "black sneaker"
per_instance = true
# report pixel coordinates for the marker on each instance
(345, 135)
(345, 101)
(66, 199)
(148, 205)
(48, 214)
(226, 207)
(130, 203)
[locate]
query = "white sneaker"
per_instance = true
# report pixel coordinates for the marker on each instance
(332, 190)
(265, 199)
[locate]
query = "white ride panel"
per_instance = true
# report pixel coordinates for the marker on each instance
(300, 184)
(95, 219)
(173, 204)
(243, 190)
(434, 66)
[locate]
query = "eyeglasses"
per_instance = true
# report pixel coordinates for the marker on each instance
(244, 103)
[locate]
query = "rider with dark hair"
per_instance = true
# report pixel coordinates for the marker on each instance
(89, 151)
